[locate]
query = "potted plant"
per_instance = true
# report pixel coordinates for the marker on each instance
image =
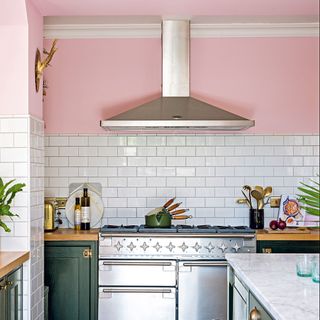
(310, 198)
(7, 194)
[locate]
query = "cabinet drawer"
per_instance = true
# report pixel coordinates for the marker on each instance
(137, 273)
(254, 303)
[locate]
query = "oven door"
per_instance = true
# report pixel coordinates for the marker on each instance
(137, 303)
(202, 290)
(137, 273)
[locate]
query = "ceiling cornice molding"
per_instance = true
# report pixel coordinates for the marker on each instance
(198, 30)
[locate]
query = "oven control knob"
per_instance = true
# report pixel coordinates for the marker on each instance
(131, 246)
(236, 247)
(223, 247)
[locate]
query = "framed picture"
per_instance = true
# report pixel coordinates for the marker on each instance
(293, 215)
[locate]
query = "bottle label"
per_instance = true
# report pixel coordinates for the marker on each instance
(85, 212)
(77, 217)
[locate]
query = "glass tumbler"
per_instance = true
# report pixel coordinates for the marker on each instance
(304, 265)
(315, 270)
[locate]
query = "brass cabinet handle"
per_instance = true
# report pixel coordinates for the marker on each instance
(3, 288)
(255, 314)
(266, 250)
(87, 253)
(9, 284)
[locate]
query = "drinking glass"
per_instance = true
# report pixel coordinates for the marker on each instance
(315, 269)
(304, 265)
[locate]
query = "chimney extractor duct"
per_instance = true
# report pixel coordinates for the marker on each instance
(176, 110)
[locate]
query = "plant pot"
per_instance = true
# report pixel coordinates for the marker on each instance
(256, 218)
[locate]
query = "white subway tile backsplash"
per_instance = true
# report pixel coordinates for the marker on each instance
(127, 151)
(196, 141)
(137, 161)
(59, 141)
(186, 151)
(156, 141)
(137, 141)
(273, 140)
(147, 151)
(166, 171)
(154, 162)
(14, 125)
(172, 161)
(78, 161)
(254, 140)
(185, 172)
(21, 140)
(206, 172)
(176, 141)
(6, 139)
(79, 141)
(13, 154)
(166, 151)
(234, 140)
(6, 169)
(195, 161)
(225, 151)
(107, 151)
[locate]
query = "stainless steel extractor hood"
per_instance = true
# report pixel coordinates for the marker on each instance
(176, 109)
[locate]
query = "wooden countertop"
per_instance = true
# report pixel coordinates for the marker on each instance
(314, 235)
(72, 235)
(9, 260)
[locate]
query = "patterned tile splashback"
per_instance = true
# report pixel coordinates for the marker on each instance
(206, 172)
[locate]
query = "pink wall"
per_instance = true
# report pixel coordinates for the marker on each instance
(272, 80)
(178, 7)
(13, 58)
(35, 38)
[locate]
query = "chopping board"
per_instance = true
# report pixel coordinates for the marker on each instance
(289, 230)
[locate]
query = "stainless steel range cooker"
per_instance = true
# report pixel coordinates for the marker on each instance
(177, 273)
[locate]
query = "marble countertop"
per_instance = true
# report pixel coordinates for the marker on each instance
(272, 279)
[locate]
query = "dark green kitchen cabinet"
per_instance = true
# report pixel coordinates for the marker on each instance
(71, 275)
(288, 246)
(11, 294)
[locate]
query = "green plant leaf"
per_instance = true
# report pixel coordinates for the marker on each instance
(310, 192)
(3, 188)
(312, 211)
(1, 182)
(4, 226)
(13, 190)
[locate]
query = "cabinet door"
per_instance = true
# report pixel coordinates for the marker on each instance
(3, 299)
(67, 274)
(14, 294)
(254, 303)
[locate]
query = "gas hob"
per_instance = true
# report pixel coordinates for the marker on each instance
(191, 229)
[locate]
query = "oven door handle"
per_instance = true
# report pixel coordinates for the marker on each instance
(138, 263)
(205, 264)
(136, 290)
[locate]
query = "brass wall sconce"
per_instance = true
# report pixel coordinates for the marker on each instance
(41, 65)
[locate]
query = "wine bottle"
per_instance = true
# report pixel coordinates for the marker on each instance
(77, 214)
(85, 210)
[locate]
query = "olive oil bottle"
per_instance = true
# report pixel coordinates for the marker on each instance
(77, 214)
(85, 210)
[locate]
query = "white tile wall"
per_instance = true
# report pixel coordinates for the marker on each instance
(206, 172)
(22, 158)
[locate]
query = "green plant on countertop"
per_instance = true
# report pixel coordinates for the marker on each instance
(7, 194)
(310, 197)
